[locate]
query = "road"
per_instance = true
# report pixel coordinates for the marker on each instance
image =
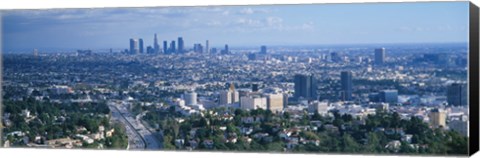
(135, 141)
(149, 139)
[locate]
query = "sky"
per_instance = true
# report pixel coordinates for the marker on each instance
(290, 25)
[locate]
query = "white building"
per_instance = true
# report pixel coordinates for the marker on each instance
(318, 107)
(253, 102)
(190, 98)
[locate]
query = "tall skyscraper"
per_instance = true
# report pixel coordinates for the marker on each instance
(379, 56)
(165, 47)
(305, 87)
(263, 49)
(181, 45)
(347, 85)
(156, 46)
(172, 47)
(457, 94)
(207, 48)
(140, 45)
(133, 46)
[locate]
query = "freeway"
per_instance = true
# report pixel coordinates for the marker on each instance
(135, 141)
(149, 139)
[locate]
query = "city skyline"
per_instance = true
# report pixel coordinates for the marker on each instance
(238, 25)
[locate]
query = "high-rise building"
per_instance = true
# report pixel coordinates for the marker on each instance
(229, 96)
(225, 97)
(437, 118)
(198, 48)
(263, 49)
(275, 102)
(305, 87)
(207, 48)
(379, 56)
(165, 47)
(181, 45)
(226, 51)
(389, 96)
(190, 98)
(140, 45)
(150, 50)
(347, 85)
(172, 47)
(457, 94)
(156, 46)
(133, 46)
(213, 50)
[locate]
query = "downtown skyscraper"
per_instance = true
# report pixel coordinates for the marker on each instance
(156, 46)
(134, 46)
(181, 45)
(140, 45)
(165, 47)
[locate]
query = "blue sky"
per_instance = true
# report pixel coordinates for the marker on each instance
(321, 24)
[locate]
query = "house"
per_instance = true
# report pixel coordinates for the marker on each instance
(208, 144)
(393, 145)
(407, 138)
(109, 133)
(246, 130)
(193, 144)
(179, 143)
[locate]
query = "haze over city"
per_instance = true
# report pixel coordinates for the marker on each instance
(321, 24)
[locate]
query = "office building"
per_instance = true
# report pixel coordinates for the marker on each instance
(275, 102)
(229, 96)
(207, 48)
(181, 45)
(379, 56)
(253, 102)
(305, 87)
(140, 45)
(225, 97)
(134, 46)
(156, 46)
(437, 118)
(198, 48)
(172, 47)
(165, 47)
(213, 50)
(389, 96)
(190, 98)
(226, 51)
(347, 85)
(150, 50)
(263, 49)
(318, 107)
(459, 125)
(457, 94)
